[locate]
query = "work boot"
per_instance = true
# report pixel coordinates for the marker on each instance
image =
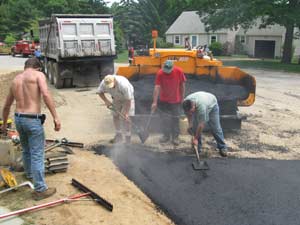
(127, 140)
(117, 139)
(223, 152)
(164, 139)
(45, 194)
(176, 141)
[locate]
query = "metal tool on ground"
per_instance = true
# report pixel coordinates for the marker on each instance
(45, 205)
(146, 128)
(75, 183)
(143, 135)
(94, 195)
(64, 143)
(199, 164)
(26, 183)
(56, 162)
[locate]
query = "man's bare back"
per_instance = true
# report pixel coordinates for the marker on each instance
(27, 89)
(27, 92)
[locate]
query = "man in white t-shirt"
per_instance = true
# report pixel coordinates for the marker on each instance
(122, 103)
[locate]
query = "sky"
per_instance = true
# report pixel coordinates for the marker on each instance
(110, 2)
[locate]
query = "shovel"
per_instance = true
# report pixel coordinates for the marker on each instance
(142, 133)
(145, 131)
(199, 164)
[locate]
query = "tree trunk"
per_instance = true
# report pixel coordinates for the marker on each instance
(288, 44)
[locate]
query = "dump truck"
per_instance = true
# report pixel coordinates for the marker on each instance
(232, 86)
(77, 49)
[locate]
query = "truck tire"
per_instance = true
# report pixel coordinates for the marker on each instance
(57, 80)
(68, 78)
(46, 66)
(50, 72)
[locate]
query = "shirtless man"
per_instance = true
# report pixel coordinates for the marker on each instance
(27, 89)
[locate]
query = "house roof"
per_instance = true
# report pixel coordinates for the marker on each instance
(272, 30)
(189, 22)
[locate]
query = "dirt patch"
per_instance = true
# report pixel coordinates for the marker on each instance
(271, 131)
(85, 119)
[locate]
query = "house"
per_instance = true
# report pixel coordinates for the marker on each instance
(189, 25)
(261, 43)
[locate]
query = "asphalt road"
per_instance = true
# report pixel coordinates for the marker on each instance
(10, 64)
(232, 192)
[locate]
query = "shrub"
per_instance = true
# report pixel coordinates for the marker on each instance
(216, 48)
(227, 49)
(239, 48)
(10, 40)
(161, 43)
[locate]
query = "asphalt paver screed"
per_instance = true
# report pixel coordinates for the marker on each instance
(225, 93)
(235, 191)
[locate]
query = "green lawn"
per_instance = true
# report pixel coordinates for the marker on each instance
(263, 64)
(122, 57)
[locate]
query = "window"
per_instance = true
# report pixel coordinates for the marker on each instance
(102, 29)
(213, 38)
(177, 40)
(242, 39)
(194, 41)
(86, 29)
(69, 29)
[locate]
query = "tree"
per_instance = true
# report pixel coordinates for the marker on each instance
(234, 13)
(3, 21)
(10, 40)
(20, 16)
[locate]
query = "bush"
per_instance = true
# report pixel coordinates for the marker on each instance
(216, 48)
(161, 43)
(10, 40)
(227, 49)
(239, 48)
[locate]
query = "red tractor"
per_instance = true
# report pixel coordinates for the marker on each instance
(23, 47)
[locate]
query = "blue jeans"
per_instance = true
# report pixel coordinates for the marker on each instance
(215, 127)
(32, 140)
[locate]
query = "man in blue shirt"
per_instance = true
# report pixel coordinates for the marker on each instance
(201, 108)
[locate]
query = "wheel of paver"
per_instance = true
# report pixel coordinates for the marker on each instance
(57, 80)
(50, 72)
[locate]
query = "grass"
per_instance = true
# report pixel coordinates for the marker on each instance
(264, 64)
(122, 57)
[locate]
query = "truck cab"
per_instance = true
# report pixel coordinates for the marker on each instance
(23, 47)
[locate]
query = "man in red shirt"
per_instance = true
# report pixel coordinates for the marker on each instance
(170, 87)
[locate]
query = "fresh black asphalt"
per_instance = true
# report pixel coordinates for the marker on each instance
(232, 192)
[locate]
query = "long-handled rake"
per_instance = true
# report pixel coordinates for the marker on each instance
(75, 183)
